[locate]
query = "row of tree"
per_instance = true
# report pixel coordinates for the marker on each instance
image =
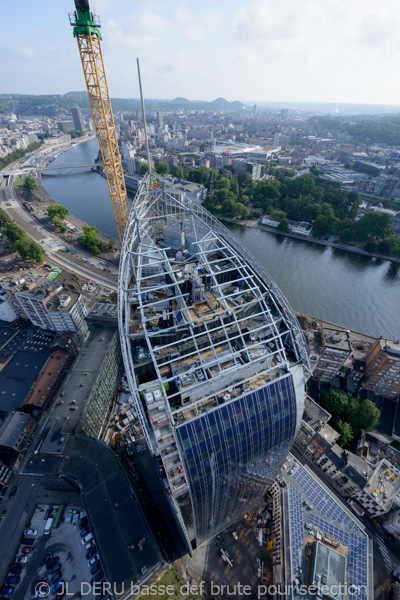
(285, 197)
(25, 247)
(16, 154)
(350, 413)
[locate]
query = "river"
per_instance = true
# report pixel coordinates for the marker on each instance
(352, 290)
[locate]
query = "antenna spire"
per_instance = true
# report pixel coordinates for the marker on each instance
(144, 117)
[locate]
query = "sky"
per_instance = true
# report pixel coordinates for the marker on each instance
(250, 50)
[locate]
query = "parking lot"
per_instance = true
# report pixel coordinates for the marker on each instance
(66, 556)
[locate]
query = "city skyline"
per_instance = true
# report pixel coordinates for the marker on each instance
(252, 53)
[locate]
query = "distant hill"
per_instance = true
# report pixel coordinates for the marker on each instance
(222, 104)
(51, 105)
(180, 100)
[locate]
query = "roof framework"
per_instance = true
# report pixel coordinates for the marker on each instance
(199, 307)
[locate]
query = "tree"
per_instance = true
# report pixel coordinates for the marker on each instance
(355, 200)
(325, 223)
(57, 210)
(29, 249)
(162, 168)
(229, 207)
(346, 432)
(363, 413)
(283, 225)
(29, 184)
(370, 247)
(57, 222)
(279, 215)
(13, 232)
(244, 212)
(91, 239)
(374, 224)
(346, 236)
(335, 401)
(177, 172)
(385, 247)
(111, 244)
(314, 171)
(144, 168)
(76, 133)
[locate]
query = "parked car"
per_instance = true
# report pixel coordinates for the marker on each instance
(309, 549)
(86, 539)
(9, 591)
(95, 568)
(13, 579)
(94, 559)
(55, 578)
(46, 558)
(26, 550)
(55, 568)
(85, 531)
(32, 532)
(91, 552)
(58, 587)
(52, 562)
(12, 494)
(16, 569)
(97, 577)
(84, 523)
(21, 559)
(90, 545)
(27, 541)
(48, 512)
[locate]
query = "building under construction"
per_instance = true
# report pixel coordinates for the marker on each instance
(214, 356)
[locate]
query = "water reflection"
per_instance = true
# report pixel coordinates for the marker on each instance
(392, 274)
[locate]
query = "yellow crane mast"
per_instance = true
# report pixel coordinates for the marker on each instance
(86, 31)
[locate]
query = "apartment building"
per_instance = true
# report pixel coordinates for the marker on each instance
(46, 305)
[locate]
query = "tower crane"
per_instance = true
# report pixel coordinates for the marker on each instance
(86, 30)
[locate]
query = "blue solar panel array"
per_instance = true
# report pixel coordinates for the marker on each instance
(332, 530)
(296, 526)
(321, 500)
(358, 565)
(330, 523)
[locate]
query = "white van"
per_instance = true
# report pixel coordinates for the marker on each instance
(86, 539)
(48, 526)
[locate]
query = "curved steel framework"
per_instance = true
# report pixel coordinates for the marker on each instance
(204, 330)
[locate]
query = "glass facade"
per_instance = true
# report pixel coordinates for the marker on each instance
(233, 453)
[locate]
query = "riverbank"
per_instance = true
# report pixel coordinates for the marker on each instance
(340, 246)
(47, 199)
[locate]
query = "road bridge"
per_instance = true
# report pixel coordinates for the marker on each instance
(44, 169)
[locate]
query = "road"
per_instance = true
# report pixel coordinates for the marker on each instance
(386, 549)
(51, 243)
